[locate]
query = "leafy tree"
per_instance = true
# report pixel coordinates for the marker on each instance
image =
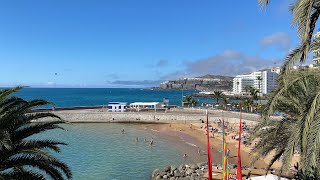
(21, 156)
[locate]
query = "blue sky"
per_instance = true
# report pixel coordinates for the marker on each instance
(136, 43)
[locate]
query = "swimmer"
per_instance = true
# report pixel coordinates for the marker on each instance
(122, 130)
(136, 139)
(145, 139)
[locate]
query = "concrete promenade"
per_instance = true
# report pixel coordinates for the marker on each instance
(186, 115)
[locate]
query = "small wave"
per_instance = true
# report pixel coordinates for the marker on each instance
(191, 144)
(154, 130)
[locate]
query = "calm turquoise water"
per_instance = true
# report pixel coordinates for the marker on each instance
(66, 97)
(102, 152)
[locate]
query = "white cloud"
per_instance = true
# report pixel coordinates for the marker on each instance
(229, 62)
(280, 39)
(50, 83)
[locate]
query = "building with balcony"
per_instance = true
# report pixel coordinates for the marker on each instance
(264, 80)
(316, 53)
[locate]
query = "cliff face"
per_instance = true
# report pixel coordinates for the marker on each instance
(208, 82)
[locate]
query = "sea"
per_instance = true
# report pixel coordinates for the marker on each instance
(100, 151)
(67, 97)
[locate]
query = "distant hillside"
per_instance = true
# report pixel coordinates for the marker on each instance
(207, 82)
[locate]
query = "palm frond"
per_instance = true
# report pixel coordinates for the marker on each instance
(263, 3)
(50, 166)
(27, 175)
(4, 93)
(18, 150)
(35, 129)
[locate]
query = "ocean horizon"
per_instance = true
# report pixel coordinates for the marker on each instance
(69, 97)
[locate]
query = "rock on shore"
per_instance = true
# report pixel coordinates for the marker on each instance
(183, 172)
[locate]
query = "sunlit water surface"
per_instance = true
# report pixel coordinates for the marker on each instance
(101, 151)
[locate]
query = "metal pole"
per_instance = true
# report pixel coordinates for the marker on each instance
(182, 97)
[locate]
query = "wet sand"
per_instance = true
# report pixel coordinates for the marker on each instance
(194, 138)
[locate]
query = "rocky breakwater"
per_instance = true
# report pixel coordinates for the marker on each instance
(185, 172)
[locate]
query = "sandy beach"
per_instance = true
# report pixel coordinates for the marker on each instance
(184, 125)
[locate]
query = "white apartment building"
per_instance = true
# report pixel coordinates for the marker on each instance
(316, 52)
(265, 86)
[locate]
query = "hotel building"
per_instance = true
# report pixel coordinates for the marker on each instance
(316, 53)
(267, 83)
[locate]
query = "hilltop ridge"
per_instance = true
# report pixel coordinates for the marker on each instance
(206, 82)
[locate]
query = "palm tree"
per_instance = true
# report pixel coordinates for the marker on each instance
(299, 95)
(226, 101)
(21, 156)
(300, 131)
(253, 92)
(312, 174)
(248, 104)
(217, 95)
(259, 78)
(188, 100)
(305, 14)
(194, 102)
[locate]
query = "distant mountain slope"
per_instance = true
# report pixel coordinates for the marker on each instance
(207, 82)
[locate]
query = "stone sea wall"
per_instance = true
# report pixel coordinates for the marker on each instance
(83, 116)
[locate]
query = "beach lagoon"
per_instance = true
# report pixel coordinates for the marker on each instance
(102, 151)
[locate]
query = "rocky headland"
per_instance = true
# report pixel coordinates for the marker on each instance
(207, 82)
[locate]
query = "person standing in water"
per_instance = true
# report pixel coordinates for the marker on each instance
(122, 130)
(151, 142)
